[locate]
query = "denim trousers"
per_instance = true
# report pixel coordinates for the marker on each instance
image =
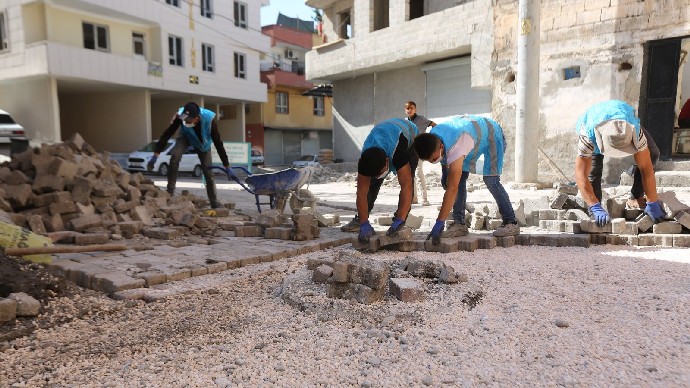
(493, 183)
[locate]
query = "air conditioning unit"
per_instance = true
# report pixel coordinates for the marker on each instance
(289, 54)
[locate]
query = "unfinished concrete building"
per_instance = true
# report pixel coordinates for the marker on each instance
(455, 57)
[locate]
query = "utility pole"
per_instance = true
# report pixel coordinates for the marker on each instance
(527, 109)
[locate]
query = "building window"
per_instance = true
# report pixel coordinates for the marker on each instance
(380, 14)
(4, 41)
(318, 106)
(207, 57)
(240, 66)
(95, 36)
(138, 44)
(175, 50)
(344, 25)
(240, 14)
(206, 8)
(176, 3)
(281, 102)
(416, 9)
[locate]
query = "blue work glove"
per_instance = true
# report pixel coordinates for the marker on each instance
(444, 178)
(152, 163)
(435, 234)
(395, 227)
(365, 232)
(601, 217)
(654, 210)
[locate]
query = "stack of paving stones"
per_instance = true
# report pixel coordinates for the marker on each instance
(304, 225)
(18, 305)
(367, 281)
(71, 187)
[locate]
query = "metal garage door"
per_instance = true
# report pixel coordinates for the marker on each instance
(449, 91)
(273, 147)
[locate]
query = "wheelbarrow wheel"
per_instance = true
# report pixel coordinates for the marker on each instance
(307, 200)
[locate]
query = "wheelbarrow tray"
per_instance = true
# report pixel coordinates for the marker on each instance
(279, 181)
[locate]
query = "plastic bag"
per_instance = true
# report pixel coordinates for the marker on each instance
(13, 236)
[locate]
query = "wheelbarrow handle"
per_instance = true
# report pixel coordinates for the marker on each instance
(231, 176)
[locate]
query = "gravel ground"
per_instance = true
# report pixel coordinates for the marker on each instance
(603, 316)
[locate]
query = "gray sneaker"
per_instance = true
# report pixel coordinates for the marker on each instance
(352, 226)
(455, 230)
(506, 230)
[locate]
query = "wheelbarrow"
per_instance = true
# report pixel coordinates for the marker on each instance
(281, 187)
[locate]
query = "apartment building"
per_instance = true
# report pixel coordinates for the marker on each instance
(454, 57)
(116, 71)
(292, 122)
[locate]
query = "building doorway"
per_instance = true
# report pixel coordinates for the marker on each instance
(661, 92)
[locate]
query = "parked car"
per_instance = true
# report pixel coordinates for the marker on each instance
(257, 157)
(306, 160)
(10, 130)
(138, 160)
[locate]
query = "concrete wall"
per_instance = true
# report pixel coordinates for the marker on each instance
(352, 121)
(33, 104)
(598, 36)
(91, 115)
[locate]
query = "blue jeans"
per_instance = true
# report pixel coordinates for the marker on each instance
(493, 183)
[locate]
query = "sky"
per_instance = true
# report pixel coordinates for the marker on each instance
(292, 8)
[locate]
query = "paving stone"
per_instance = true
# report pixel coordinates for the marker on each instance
(321, 274)
(477, 222)
(160, 233)
(552, 225)
(18, 195)
(493, 223)
(91, 238)
(414, 222)
(408, 246)
(248, 231)
(588, 226)
(572, 227)
(667, 227)
(112, 282)
(632, 214)
(671, 204)
(621, 226)
(130, 228)
(174, 274)
(522, 239)
(27, 306)
(151, 278)
(252, 260)
(559, 201)
(551, 214)
(681, 240)
(384, 221)
(659, 240)
(683, 218)
(575, 240)
(545, 240)
(36, 224)
(278, 233)
(616, 239)
(340, 270)
(645, 223)
(216, 267)
(446, 245)
(485, 241)
(133, 294)
(615, 207)
(406, 289)
(404, 234)
(598, 239)
(8, 310)
(198, 271)
(86, 221)
(358, 292)
(576, 215)
(505, 242)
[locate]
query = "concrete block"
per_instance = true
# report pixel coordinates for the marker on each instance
(598, 239)
(84, 222)
(130, 228)
(667, 227)
(621, 226)
(575, 240)
(404, 234)
(406, 289)
(681, 240)
(53, 223)
(18, 195)
(671, 204)
(658, 240)
(522, 239)
(63, 168)
(151, 278)
(477, 222)
(47, 183)
(615, 239)
(576, 215)
(520, 213)
(645, 223)
(566, 189)
(160, 233)
(616, 207)
(559, 201)
(384, 221)
(414, 222)
(321, 274)
(323, 220)
(552, 225)
(92, 238)
(124, 206)
(340, 270)
(632, 214)
(550, 214)
(8, 310)
(36, 224)
(486, 241)
(112, 282)
(544, 240)
(588, 226)
(248, 231)
(683, 219)
(447, 245)
(493, 223)
(62, 207)
(468, 243)
(572, 227)
(505, 242)
(141, 213)
(27, 306)
(279, 233)
(375, 276)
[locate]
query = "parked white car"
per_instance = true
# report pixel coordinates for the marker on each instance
(257, 157)
(306, 160)
(138, 160)
(9, 130)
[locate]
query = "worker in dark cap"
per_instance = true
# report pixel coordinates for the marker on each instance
(197, 129)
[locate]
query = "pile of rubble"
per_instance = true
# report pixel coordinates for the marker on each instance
(354, 277)
(324, 174)
(74, 194)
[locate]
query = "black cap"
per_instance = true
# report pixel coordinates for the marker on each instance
(190, 111)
